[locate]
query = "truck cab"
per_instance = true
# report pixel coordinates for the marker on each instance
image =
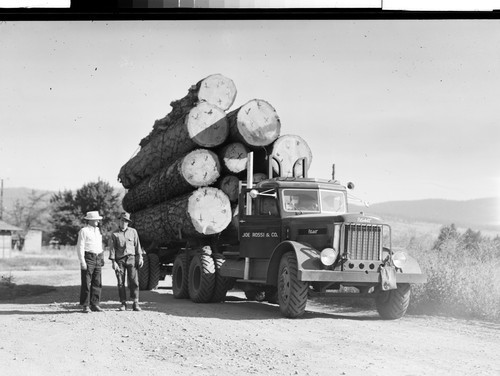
(297, 238)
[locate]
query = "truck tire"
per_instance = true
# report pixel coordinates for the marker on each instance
(154, 271)
(292, 293)
(201, 278)
(272, 295)
(144, 273)
(221, 283)
(392, 304)
(180, 277)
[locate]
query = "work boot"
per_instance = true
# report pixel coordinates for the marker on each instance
(86, 309)
(136, 307)
(96, 308)
(123, 307)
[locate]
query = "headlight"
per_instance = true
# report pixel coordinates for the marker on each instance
(328, 256)
(399, 259)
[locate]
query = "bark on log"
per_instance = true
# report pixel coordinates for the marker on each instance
(215, 89)
(204, 126)
(256, 123)
(233, 157)
(198, 168)
(206, 211)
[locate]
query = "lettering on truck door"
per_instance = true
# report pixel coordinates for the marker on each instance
(260, 232)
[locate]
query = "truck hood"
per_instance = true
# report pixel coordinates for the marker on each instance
(348, 217)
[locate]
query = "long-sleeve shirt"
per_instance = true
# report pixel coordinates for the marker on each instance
(125, 243)
(89, 240)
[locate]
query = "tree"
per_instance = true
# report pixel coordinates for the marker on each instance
(68, 210)
(31, 213)
(446, 234)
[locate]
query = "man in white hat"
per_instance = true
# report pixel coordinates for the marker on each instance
(126, 257)
(91, 256)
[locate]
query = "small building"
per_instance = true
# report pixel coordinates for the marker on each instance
(6, 233)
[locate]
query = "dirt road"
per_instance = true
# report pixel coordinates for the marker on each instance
(47, 335)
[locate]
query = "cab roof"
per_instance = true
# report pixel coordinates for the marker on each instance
(306, 183)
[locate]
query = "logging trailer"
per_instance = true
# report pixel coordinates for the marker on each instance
(292, 238)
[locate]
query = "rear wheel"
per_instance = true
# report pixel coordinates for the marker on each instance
(180, 277)
(292, 293)
(201, 278)
(144, 273)
(392, 304)
(222, 284)
(154, 271)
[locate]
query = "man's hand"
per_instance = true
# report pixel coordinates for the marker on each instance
(114, 265)
(140, 263)
(83, 266)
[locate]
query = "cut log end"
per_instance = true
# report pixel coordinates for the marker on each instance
(258, 123)
(217, 90)
(207, 125)
(209, 210)
(288, 149)
(235, 157)
(200, 168)
(229, 184)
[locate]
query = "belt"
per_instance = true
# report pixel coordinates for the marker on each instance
(93, 254)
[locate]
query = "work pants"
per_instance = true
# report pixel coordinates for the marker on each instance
(91, 287)
(126, 265)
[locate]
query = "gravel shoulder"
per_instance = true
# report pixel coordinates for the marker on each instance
(46, 334)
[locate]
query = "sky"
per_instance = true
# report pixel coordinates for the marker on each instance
(405, 109)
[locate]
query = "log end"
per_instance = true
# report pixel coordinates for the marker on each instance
(218, 90)
(210, 210)
(207, 125)
(258, 123)
(200, 168)
(229, 184)
(235, 157)
(288, 149)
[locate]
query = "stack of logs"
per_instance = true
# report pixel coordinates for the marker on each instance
(183, 183)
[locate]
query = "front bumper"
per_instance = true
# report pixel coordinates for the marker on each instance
(354, 277)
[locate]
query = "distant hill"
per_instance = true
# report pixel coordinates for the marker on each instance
(479, 214)
(11, 195)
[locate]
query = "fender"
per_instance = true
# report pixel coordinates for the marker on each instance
(411, 266)
(308, 258)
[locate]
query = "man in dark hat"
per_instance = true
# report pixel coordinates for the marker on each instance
(91, 256)
(126, 258)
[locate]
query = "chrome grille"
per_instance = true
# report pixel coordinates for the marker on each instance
(362, 241)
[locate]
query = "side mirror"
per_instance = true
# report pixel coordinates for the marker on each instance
(350, 185)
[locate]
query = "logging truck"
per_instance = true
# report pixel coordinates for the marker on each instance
(291, 238)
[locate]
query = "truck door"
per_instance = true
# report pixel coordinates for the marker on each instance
(260, 232)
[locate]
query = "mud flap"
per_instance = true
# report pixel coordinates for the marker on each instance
(388, 277)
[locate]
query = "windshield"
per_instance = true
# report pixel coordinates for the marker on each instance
(313, 201)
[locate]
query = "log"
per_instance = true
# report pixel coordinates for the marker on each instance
(234, 157)
(205, 211)
(256, 123)
(215, 89)
(288, 149)
(204, 126)
(229, 184)
(198, 168)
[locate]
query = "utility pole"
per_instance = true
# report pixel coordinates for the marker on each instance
(1, 202)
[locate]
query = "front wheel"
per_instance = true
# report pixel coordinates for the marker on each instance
(292, 293)
(392, 304)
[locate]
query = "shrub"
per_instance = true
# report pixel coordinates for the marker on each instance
(463, 277)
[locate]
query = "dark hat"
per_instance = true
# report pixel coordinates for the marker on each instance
(125, 216)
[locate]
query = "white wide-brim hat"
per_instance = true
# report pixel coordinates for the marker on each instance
(92, 215)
